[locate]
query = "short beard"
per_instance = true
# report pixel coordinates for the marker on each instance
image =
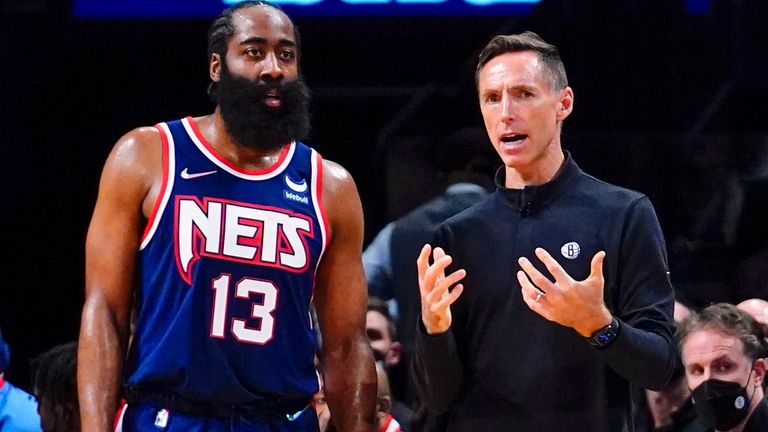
(251, 122)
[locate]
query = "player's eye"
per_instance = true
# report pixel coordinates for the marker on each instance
(287, 55)
(253, 52)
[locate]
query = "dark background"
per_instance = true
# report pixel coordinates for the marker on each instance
(668, 102)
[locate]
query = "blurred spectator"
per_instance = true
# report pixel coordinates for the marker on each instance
(386, 350)
(18, 409)
(384, 418)
(680, 312)
(758, 308)
(382, 333)
(723, 352)
(321, 406)
(386, 422)
(54, 383)
(466, 161)
(722, 253)
(669, 409)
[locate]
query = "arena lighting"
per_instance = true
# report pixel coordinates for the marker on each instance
(412, 2)
(183, 9)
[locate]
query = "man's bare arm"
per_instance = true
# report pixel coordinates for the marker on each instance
(111, 248)
(348, 367)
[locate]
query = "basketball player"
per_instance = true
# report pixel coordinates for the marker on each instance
(213, 228)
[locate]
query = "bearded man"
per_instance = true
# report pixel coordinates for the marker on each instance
(212, 230)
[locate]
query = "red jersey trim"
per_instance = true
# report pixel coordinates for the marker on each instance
(118, 423)
(395, 427)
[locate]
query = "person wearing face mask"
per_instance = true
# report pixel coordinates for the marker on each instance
(723, 352)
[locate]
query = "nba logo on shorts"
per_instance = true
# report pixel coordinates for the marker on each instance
(570, 250)
(161, 421)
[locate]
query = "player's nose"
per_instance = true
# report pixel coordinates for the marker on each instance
(271, 69)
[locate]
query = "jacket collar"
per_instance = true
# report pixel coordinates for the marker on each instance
(532, 198)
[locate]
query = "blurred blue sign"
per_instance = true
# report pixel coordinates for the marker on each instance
(304, 8)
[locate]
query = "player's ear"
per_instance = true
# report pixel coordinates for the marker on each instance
(214, 67)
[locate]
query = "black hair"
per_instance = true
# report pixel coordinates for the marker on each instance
(526, 41)
(222, 29)
(54, 379)
(730, 320)
(378, 305)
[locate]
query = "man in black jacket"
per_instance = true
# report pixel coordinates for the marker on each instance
(723, 352)
(565, 298)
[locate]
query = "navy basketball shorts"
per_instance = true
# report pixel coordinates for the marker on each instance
(139, 417)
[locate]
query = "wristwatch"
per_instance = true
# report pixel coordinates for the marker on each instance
(605, 336)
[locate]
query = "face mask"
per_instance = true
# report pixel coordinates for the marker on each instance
(720, 404)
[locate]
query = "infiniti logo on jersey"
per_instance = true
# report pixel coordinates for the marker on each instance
(570, 250)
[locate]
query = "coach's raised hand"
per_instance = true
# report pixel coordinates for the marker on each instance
(436, 298)
(569, 302)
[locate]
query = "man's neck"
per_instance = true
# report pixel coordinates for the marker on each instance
(248, 158)
(539, 172)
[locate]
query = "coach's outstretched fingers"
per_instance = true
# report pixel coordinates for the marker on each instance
(436, 298)
(572, 303)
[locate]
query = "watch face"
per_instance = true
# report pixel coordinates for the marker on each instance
(605, 337)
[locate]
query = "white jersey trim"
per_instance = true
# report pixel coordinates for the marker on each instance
(165, 194)
(316, 193)
(218, 162)
(119, 423)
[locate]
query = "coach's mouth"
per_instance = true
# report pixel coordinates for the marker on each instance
(512, 139)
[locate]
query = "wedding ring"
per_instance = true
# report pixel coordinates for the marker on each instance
(538, 296)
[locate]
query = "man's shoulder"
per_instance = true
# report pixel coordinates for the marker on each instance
(441, 207)
(472, 215)
(605, 193)
(19, 412)
(17, 399)
(758, 421)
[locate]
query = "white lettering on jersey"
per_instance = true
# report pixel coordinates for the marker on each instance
(240, 232)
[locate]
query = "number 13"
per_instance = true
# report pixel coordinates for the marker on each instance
(262, 310)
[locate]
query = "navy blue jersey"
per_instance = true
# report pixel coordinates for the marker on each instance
(227, 267)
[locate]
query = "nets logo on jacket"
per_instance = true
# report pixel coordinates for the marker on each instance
(239, 232)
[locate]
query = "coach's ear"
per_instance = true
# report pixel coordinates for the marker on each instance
(566, 104)
(214, 67)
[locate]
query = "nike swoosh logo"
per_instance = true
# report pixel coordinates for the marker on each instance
(187, 176)
(296, 186)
